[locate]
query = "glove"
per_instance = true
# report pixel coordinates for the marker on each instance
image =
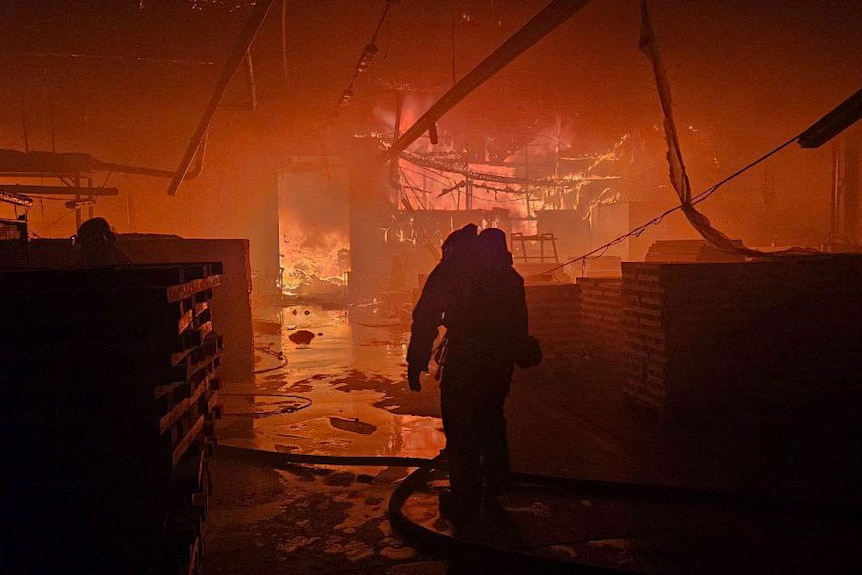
(413, 378)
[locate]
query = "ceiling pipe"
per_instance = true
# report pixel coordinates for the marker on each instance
(240, 49)
(60, 164)
(25, 190)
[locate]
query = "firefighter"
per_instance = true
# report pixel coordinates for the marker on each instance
(446, 284)
(97, 245)
(486, 324)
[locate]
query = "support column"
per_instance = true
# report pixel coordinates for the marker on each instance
(852, 186)
(370, 261)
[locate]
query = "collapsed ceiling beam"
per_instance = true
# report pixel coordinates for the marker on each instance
(237, 56)
(572, 181)
(554, 14)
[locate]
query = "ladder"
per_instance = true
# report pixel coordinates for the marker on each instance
(523, 248)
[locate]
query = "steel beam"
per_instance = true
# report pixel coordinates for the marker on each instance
(241, 48)
(554, 14)
(842, 117)
(58, 190)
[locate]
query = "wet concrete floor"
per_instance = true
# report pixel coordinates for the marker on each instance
(342, 394)
(345, 394)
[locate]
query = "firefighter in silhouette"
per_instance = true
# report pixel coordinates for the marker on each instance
(486, 328)
(447, 282)
(97, 245)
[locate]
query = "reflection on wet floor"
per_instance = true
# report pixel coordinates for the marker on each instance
(344, 393)
(300, 519)
(340, 392)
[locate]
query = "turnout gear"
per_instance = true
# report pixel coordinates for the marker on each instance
(480, 299)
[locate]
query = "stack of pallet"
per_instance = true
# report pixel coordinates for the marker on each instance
(601, 315)
(689, 251)
(644, 335)
(108, 393)
(14, 247)
(742, 335)
(555, 312)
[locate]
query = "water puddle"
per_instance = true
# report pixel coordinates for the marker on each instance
(341, 392)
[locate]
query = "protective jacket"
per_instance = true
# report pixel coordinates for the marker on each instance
(447, 284)
(490, 323)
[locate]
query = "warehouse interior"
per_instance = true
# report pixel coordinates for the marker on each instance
(679, 184)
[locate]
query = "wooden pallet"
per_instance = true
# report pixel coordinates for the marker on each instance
(733, 335)
(118, 363)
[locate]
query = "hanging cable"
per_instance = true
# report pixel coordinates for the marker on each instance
(24, 125)
(635, 232)
(284, 65)
(364, 62)
(711, 190)
(452, 17)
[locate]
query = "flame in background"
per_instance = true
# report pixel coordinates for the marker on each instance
(423, 188)
(436, 190)
(314, 230)
(311, 261)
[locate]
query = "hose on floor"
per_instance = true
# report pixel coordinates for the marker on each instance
(476, 550)
(279, 355)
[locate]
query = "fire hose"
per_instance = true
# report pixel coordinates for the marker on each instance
(425, 538)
